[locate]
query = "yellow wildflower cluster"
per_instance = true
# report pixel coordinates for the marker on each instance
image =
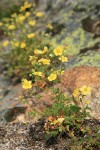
(84, 90)
(26, 84)
(29, 46)
(48, 62)
(79, 93)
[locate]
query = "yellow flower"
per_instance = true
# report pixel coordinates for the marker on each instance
(5, 43)
(11, 27)
(26, 5)
(32, 22)
(85, 90)
(36, 51)
(63, 59)
(49, 26)
(60, 120)
(54, 122)
(27, 14)
(60, 72)
(44, 61)
(32, 59)
(14, 15)
(23, 45)
(20, 18)
(76, 93)
(31, 35)
(39, 14)
(16, 44)
(44, 50)
(1, 24)
(58, 50)
(38, 73)
(26, 84)
(88, 102)
(52, 77)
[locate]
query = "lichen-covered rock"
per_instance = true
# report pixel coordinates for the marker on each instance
(70, 15)
(89, 58)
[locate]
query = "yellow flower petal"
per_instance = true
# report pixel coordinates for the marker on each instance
(63, 59)
(52, 77)
(58, 50)
(32, 22)
(76, 93)
(38, 73)
(31, 35)
(60, 120)
(26, 84)
(39, 14)
(85, 90)
(88, 102)
(49, 26)
(5, 43)
(36, 51)
(16, 44)
(23, 45)
(11, 27)
(44, 61)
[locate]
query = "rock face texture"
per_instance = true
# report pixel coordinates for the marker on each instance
(84, 75)
(19, 136)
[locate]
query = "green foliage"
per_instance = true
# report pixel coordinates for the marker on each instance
(32, 113)
(22, 39)
(65, 115)
(6, 8)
